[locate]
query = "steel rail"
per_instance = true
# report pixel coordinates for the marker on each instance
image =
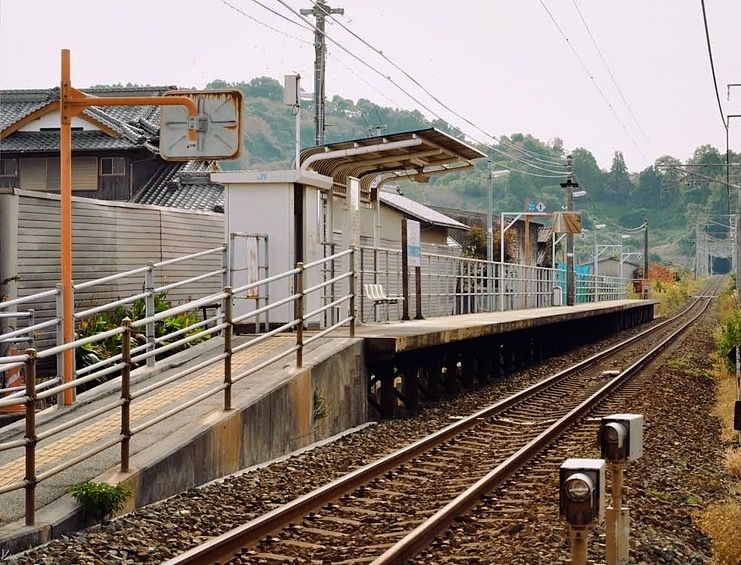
(419, 538)
(224, 547)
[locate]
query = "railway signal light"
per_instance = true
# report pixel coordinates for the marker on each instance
(621, 437)
(621, 440)
(582, 492)
(581, 501)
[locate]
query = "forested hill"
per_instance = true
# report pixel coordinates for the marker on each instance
(671, 201)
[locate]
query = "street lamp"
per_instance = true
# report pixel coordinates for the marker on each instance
(489, 223)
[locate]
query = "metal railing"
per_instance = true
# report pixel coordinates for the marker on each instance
(144, 277)
(130, 356)
(454, 285)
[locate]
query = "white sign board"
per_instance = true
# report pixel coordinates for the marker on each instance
(353, 208)
(218, 126)
(414, 251)
(251, 266)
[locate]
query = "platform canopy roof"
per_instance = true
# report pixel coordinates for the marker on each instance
(415, 155)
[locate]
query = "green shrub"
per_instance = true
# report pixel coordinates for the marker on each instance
(92, 353)
(100, 500)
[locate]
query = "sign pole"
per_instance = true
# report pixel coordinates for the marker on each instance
(71, 103)
(65, 214)
(404, 271)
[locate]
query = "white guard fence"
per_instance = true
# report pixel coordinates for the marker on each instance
(452, 285)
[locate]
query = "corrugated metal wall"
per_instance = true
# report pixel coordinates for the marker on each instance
(109, 238)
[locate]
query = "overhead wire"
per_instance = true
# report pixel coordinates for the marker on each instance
(380, 52)
(422, 104)
(712, 64)
(309, 26)
(589, 74)
(266, 25)
(607, 67)
(377, 90)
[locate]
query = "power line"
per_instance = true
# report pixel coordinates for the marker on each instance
(399, 87)
(607, 67)
(411, 96)
(712, 64)
(435, 98)
(589, 74)
(262, 23)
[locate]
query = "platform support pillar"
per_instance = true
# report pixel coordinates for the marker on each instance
(385, 373)
(410, 376)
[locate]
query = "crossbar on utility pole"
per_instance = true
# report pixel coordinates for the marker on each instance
(320, 11)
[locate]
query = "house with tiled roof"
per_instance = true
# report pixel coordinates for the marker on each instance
(115, 152)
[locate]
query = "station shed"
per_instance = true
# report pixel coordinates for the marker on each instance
(309, 213)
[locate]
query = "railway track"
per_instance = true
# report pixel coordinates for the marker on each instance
(391, 510)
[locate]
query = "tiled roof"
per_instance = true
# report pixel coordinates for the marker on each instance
(183, 185)
(45, 141)
(417, 210)
(137, 125)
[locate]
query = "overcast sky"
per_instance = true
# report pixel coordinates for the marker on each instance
(502, 64)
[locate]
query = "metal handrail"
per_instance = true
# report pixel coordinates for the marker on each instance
(52, 351)
(178, 343)
(192, 402)
(177, 376)
(29, 298)
(264, 309)
(328, 282)
(193, 305)
(22, 314)
(189, 280)
(265, 336)
(140, 270)
(111, 305)
(328, 306)
(188, 257)
(110, 278)
(123, 362)
(29, 329)
(327, 330)
(265, 363)
(328, 259)
(250, 286)
(66, 426)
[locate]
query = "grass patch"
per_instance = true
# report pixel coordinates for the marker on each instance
(100, 500)
(733, 463)
(722, 523)
(725, 399)
(673, 296)
(660, 494)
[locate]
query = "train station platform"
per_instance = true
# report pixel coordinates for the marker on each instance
(275, 409)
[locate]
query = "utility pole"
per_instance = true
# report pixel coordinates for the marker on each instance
(320, 11)
(645, 258)
(569, 185)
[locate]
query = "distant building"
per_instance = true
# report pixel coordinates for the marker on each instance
(610, 266)
(115, 153)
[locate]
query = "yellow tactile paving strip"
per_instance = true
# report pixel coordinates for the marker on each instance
(140, 408)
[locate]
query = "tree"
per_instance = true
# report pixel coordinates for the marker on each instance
(265, 87)
(591, 177)
(619, 185)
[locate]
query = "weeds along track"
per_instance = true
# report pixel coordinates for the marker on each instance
(391, 510)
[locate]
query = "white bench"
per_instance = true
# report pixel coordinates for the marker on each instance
(377, 294)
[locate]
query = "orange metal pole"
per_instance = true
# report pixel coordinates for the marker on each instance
(65, 179)
(71, 103)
